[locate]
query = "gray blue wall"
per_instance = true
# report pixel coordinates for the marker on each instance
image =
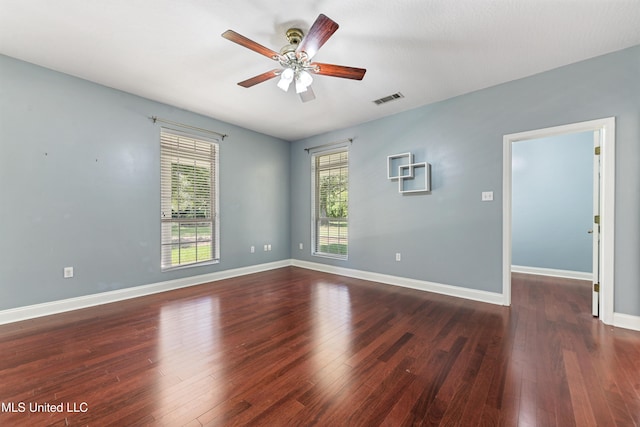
(552, 202)
(450, 236)
(92, 200)
(80, 186)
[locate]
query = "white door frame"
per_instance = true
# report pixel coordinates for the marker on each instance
(595, 226)
(607, 192)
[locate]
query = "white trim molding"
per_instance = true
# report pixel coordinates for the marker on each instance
(607, 205)
(421, 285)
(626, 321)
(55, 307)
(553, 272)
(70, 304)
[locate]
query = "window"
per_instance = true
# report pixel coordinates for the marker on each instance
(330, 203)
(189, 188)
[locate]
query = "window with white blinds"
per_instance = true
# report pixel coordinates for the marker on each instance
(189, 188)
(330, 203)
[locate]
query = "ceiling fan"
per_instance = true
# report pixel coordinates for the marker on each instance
(295, 58)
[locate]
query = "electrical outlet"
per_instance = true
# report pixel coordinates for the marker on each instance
(266, 248)
(301, 246)
(487, 196)
(253, 249)
(398, 256)
(68, 272)
(269, 247)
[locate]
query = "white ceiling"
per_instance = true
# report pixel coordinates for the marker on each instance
(171, 51)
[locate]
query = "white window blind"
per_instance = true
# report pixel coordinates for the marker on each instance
(189, 203)
(331, 201)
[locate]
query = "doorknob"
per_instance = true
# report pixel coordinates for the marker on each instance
(590, 231)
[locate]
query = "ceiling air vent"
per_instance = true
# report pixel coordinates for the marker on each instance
(388, 98)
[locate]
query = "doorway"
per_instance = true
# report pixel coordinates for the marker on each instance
(604, 129)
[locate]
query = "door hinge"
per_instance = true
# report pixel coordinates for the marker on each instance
(596, 287)
(597, 151)
(596, 219)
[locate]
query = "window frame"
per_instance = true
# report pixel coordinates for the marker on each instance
(214, 200)
(314, 201)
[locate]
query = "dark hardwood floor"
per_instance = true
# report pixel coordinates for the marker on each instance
(297, 347)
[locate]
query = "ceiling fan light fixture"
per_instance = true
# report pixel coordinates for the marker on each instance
(284, 84)
(303, 81)
(300, 87)
(285, 79)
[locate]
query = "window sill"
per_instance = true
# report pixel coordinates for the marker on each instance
(330, 256)
(194, 264)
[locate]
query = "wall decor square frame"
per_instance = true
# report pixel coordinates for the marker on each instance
(421, 185)
(395, 163)
(412, 177)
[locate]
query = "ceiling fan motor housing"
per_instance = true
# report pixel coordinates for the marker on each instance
(294, 36)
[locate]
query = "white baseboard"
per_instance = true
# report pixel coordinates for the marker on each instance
(454, 291)
(565, 274)
(45, 309)
(626, 321)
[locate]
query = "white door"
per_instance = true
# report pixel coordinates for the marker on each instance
(595, 231)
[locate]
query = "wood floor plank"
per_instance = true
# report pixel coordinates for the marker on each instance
(299, 347)
(583, 412)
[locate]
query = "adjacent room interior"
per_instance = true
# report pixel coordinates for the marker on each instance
(333, 214)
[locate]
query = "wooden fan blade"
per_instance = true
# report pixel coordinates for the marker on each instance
(307, 95)
(318, 34)
(250, 44)
(338, 71)
(259, 78)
